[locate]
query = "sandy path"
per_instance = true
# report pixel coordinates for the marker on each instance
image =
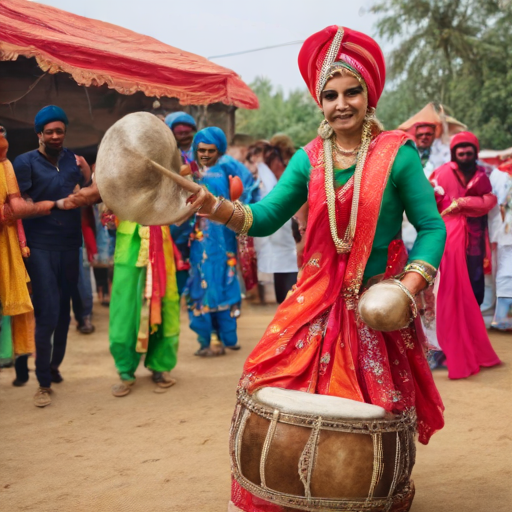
(153, 452)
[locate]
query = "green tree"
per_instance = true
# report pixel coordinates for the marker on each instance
(297, 115)
(455, 52)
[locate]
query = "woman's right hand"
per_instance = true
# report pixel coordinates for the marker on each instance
(203, 201)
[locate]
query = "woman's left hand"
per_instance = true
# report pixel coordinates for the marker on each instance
(414, 282)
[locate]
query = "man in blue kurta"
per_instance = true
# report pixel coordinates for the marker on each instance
(50, 173)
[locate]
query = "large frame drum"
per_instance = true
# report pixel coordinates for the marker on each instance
(316, 452)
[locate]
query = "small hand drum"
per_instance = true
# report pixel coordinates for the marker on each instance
(137, 172)
(385, 307)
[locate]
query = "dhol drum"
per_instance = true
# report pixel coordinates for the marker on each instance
(323, 453)
(138, 172)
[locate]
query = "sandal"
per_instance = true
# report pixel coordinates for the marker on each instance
(122, 388)
(209, 352)
(163, 380)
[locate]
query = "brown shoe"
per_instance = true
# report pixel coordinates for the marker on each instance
(86, 327)
(42, 397)
(123, 388)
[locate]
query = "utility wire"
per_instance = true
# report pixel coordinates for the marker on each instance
(256, 50)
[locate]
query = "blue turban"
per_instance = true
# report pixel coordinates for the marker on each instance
(180, 118)
(47, 115)
(211, 135)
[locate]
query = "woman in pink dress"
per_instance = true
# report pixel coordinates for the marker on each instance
(463, 194)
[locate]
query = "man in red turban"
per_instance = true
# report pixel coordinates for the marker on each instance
(464, 197)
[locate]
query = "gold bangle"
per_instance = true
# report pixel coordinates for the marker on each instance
(427, 271)
(238, 218)
(247, 220)
(421, 273)
(414, 307)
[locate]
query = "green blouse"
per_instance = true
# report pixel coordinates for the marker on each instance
(407, 190)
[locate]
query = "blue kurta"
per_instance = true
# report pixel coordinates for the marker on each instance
(213, 284)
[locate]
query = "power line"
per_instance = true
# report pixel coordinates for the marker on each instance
(256, 50)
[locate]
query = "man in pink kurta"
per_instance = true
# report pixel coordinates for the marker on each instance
(463, 194)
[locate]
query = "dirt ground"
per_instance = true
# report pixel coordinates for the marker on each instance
(152, 452)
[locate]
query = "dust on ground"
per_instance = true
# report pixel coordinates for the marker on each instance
(150, 452)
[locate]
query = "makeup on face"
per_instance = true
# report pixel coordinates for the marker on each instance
(344, 103)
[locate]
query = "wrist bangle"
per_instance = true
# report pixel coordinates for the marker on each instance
(241, 219)
(248, 219)
(220, 200)
(231, 216)
(427, 271)
(414, 308)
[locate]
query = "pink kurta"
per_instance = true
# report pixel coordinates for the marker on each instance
(461, 330)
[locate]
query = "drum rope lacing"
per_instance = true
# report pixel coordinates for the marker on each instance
(378, 466)
(266, 445)
(401, 473)
(308, 456)
(396, 472)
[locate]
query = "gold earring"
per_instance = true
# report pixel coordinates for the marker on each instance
(324, 130)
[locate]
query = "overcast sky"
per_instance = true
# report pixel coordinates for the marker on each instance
(218, 27)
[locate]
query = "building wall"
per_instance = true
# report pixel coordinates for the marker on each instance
(25, 89)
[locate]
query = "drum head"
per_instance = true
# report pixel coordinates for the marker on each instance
(298, 402)
(129, 184)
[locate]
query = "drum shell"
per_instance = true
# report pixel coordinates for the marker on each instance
(343, 465)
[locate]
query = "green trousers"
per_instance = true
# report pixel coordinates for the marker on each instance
(5, 340)
(125, 307)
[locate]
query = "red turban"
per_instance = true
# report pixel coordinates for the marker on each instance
(358, 50)
(465, 139)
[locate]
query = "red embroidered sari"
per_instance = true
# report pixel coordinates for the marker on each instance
(316, 343)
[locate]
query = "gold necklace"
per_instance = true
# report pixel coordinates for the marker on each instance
(343, 151)
(344, 161)
(344, 245)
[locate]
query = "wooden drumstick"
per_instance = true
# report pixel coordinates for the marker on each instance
(188, 185)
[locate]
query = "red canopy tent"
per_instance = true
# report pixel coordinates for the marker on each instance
(95, 53)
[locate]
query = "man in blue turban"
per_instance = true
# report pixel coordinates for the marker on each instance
(49, 114)
(48, 174)
(213, 291)
(183, 126)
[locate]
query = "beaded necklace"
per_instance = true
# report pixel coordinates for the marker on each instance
(344, 245)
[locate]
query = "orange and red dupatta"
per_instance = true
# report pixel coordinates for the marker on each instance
(315, 342)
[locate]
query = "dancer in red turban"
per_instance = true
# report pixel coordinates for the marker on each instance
(358, 180)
